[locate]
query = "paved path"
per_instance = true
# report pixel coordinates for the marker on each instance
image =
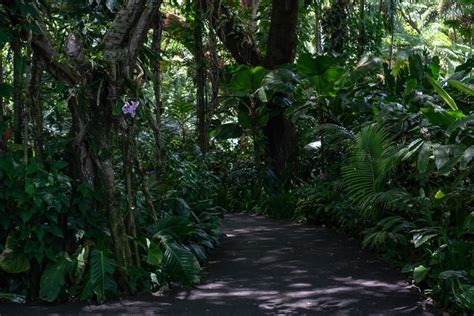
(268, 267)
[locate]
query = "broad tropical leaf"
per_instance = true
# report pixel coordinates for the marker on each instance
(180, 263)
(461, 87)
(102, 266)
(13, 262)
(53, 278)
(444, 95)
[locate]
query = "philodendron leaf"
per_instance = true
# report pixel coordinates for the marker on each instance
(419, 273)
(446, 97)
(53, 278)
(154, 254)
(423, 157)
(467, 157)
(447, 156)
(13, 262)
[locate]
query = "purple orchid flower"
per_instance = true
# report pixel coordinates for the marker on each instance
(130, 108)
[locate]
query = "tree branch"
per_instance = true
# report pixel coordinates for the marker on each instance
(408, 19)
(240, 45)
(61, 71)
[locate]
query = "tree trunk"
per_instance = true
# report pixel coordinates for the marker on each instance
(335, 27)
(280, 133)
(317, 27)
(17, 95)
(35, 105)
(128, 152)
(3, 146)
(362, 41)
(214, 67)
(159, 163)
(201, 102)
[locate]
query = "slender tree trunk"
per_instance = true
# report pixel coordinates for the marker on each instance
(159, 163)
(1, 97)
(214, 68)
(127, 155)
(362, 41)
(35, 106)
(3, 146)
(317, 27)
(392, 11)
(200, 77)
(17, 95)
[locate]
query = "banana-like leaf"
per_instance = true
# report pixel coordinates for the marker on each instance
(12, 297)
(102, 266)
(180, 263)
(444, 95)
(461, 87)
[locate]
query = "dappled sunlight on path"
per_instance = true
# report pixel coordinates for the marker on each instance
(272, 267)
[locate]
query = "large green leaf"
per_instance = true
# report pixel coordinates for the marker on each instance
(247, 79)
(467, 156)
(424, 157)
(444, 95)
(180, 263)
(461, 87)
(228, 130)
(419, 273)
(280, 80)
(12, 262)
(175, 226)
(447, 156)
(53, 278)
(12, 297)
(154, 254)
(310, 66)
(102, 266)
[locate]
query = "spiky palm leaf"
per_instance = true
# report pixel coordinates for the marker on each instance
(334, 133)
(373, 157)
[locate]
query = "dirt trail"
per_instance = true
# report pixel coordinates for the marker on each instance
(272, 267)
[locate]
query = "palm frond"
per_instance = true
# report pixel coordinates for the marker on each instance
(373, 156)
(334, 133)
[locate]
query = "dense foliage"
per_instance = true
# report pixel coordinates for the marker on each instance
(129, 127)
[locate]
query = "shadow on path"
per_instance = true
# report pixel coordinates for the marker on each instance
(271, 267)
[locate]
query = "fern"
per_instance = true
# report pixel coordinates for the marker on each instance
(373, 157)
